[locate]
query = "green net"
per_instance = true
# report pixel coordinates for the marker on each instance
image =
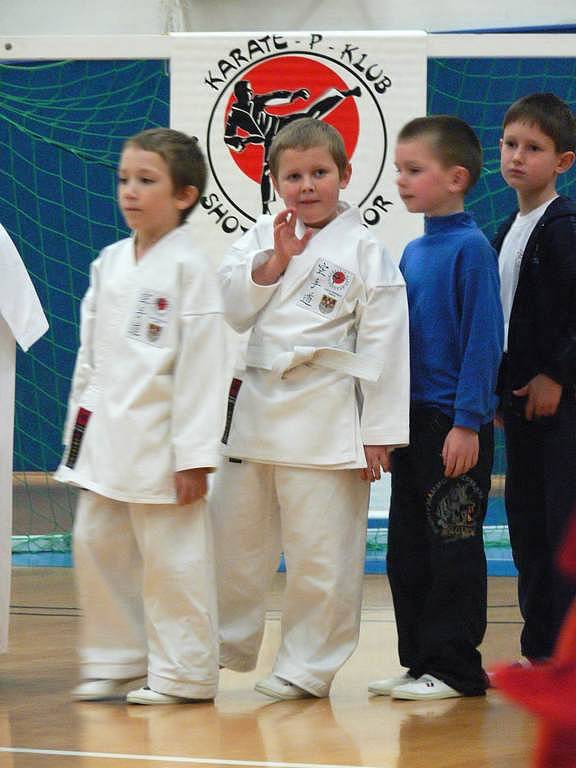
(62, 124)
(479, 91)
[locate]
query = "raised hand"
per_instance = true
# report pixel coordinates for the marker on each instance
(286, 243)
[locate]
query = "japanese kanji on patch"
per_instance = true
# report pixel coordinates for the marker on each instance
(327, 285)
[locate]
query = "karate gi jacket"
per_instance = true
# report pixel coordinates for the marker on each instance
(146, 397)
(22, 320)
(327, 362)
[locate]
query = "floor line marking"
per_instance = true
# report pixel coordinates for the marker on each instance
(173, 759)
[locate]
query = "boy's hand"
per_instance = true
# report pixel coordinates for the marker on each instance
(286, 245)
(460, 451)
(377, 456)
(543, 395)
(191, 485)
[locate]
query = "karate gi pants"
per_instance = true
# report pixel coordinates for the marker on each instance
(318, 518)
(145, 578)
(540, 495)
(436, 561)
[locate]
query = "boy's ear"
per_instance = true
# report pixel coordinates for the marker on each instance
(274, 182)
(460, 179)
(345, 176)
(565, 161)
(186, 197)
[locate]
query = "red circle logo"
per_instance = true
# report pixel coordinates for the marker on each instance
(275, 92)
(338, 278)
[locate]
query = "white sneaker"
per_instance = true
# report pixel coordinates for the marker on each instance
(98, 690)
(146, 695)
(521, 662)
(384, 687)
(278, 688)
(425, 688)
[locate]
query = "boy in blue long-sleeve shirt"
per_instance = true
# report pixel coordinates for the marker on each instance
(441, 481)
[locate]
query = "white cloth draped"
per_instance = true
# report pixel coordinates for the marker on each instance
(21, 320)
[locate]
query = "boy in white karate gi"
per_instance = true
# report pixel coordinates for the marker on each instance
(143, 432)
(322, 396)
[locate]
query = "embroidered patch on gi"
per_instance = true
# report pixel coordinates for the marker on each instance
(153, 332)
(454, 508)
(150, 317)
(82, 419)
(326, 286)
(232, 397)
(327, 304)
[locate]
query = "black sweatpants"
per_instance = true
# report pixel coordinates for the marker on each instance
(540, 497)
(436, 561)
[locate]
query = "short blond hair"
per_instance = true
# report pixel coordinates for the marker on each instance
(305, 133)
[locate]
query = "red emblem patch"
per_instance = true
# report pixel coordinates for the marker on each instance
(338, 278)
(162, 304)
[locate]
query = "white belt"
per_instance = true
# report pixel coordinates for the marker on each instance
(341, 360)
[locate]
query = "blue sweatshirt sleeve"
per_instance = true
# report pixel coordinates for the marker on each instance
(481, 333)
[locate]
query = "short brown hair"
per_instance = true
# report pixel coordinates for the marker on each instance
(552, 115)
(181, 154)
(451, 139)
(305, 133)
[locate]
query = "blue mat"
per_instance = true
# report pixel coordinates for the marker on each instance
(499, 561)
(498, 554)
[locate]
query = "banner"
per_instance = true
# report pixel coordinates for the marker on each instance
(236, 91)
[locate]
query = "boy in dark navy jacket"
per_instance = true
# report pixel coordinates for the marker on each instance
(537, 247)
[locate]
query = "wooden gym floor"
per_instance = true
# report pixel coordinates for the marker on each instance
(41, 728)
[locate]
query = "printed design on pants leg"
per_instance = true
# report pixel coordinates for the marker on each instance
(454, 508)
